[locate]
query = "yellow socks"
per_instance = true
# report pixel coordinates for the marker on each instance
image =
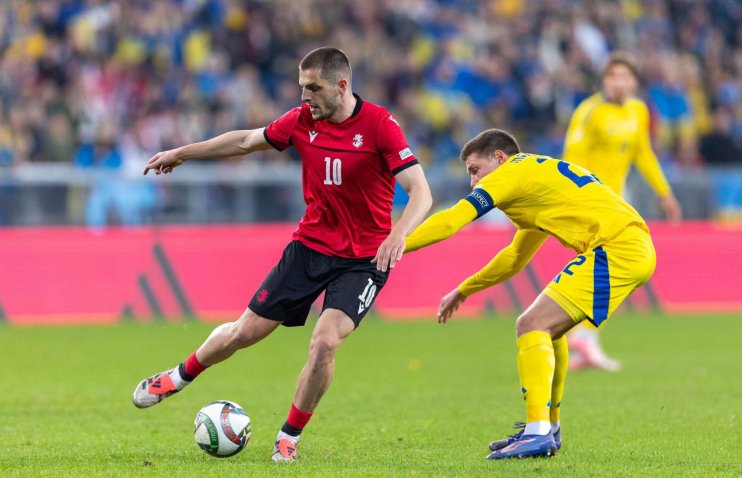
(536, 370)
(561, 364)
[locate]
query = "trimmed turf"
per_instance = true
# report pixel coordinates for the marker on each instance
(409, 399)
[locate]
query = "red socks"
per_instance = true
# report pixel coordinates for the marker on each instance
(296, 421)
(191, 368)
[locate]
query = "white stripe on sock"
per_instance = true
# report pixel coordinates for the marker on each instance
(537, 428)
(177, 379)
(554, 427)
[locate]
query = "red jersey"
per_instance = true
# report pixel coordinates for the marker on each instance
(348, 173)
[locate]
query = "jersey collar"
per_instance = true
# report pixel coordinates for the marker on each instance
(359, 103)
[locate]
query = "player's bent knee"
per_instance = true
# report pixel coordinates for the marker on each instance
(526, 323)
(530, 322)
(322, 349)
(554, 325)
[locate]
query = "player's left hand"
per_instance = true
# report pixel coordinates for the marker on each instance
(449, 303)
(390, 251)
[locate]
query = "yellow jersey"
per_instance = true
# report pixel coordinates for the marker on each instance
(561, 199)
(607, 138)
(542, 196)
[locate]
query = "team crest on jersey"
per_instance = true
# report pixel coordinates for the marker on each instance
(358, 140)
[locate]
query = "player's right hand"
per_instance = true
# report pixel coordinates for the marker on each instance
(449, 303)
(671, 208)
(163, 162)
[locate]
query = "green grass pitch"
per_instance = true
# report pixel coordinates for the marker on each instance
(409, 399)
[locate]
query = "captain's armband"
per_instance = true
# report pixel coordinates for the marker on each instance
(481, 200)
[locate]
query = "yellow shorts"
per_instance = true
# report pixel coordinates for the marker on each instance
(595, 283)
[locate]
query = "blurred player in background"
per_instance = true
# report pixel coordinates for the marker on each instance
(351, 151)
(609, 132)
(544, 196)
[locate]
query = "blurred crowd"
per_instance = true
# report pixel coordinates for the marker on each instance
(107, 83)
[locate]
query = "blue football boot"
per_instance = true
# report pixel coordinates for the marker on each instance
(500, 444)
(527, 446)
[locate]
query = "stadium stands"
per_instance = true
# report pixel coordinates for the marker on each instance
(137, 77)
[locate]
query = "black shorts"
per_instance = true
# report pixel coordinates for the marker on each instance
(287, 293)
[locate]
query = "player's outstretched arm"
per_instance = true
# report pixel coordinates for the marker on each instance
(228, 144)
(508, 262)
(441, 225)
(413, 181)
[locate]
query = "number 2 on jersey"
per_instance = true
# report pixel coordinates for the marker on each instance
(563, 168)
(333, 171)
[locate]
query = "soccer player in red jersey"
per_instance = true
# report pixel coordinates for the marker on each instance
(352, 152)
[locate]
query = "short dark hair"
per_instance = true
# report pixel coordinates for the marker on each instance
(624, 59)
(489, 141)
(332, 62)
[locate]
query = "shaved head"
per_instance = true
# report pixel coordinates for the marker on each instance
(332, 63)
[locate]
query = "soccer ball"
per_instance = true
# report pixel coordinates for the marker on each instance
(222, 428)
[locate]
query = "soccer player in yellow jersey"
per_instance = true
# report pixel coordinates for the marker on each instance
(609, 132)
(545, 197)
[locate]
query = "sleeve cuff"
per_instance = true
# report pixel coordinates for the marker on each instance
(398, 170)
(265, 135)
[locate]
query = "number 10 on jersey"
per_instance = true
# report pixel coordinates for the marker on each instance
(333, 171)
